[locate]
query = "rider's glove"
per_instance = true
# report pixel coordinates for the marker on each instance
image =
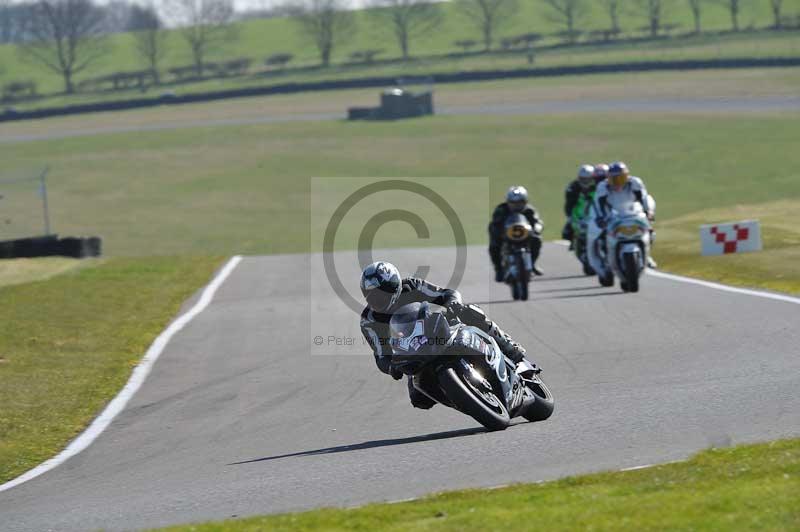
(601, 222)
(454, 309)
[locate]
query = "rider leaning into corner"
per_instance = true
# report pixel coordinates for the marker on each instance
(516, 201)
(584, 187)
(618, 190)
(386, 291)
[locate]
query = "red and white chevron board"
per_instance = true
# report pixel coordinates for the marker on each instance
(734, 237)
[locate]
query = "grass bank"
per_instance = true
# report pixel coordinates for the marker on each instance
(69, 343)
(246, 189)
(775, 268)
(753, 487)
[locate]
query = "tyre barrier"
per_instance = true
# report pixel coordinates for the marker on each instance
(51, 246)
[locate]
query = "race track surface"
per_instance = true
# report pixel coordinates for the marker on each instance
(588, 105)
(239, 418)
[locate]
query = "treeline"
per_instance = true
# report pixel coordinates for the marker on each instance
(68, 36)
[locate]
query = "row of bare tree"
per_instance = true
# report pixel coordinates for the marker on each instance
(67, 36)
(328, 23)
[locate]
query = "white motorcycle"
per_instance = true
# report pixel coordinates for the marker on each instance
(625, 247)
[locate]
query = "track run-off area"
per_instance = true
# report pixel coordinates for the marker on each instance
(242, 415)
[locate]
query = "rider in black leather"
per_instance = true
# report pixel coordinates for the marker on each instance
(385, 292)
(516, 201)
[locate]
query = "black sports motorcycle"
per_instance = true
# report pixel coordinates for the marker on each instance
(462, 367)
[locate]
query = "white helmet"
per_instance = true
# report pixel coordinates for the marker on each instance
(586, 176)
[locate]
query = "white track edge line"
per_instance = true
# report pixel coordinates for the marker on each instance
(726, 288)
(137, 378)
(710, 284)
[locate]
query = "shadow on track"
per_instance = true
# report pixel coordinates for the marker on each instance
(548, 278)
(571, 289)
(548, 298)
(371, 444)
(574, 296)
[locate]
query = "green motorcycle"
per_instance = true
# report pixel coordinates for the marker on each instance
(579, 220)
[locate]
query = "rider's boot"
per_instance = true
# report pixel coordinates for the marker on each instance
(536, 249)
(418, 399)
(499, 276)
(507, 345)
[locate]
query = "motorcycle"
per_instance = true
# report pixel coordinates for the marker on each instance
(462, 367)
(580, 230)
(517, 260)
(626, 247)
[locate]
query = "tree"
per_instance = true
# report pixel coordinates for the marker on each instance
(150, 39)
(143, 18)
(612, 7)
(653, 10)
(204, 25)
(407, 18)
(777, 6)
(326, 23)
(568, 12)
(65, 36)
(733, 7)
(489, 16)
(697, 7)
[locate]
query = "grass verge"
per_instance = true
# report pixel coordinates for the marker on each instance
(753, 487)
(775, 268)
(69, 343)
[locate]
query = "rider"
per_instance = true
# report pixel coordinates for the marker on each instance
(385, 292)
(582, 186)
(619, 189)
(516, 201)
(600, 173)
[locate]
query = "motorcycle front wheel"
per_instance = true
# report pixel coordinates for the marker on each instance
(631, 273)
(482, 405)
(542, 408)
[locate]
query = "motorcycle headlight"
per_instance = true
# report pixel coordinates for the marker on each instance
(517, 232)
(628, 230)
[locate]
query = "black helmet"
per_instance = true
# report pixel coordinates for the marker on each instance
(418, 329)
(381, 285)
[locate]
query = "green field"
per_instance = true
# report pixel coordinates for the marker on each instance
(755, 487)
(261, 38)
(246, 189)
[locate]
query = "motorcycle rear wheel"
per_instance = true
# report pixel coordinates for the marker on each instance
(485, 407)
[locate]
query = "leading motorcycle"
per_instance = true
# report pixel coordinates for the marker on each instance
(627, 246)
(462, 367)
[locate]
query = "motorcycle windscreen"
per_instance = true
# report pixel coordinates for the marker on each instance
(411, 348)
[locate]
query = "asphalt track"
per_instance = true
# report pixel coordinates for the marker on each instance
(244, 415)
(594, 105)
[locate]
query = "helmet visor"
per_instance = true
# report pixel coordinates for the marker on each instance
(516, 206)
(618, 180)
(380, 300)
